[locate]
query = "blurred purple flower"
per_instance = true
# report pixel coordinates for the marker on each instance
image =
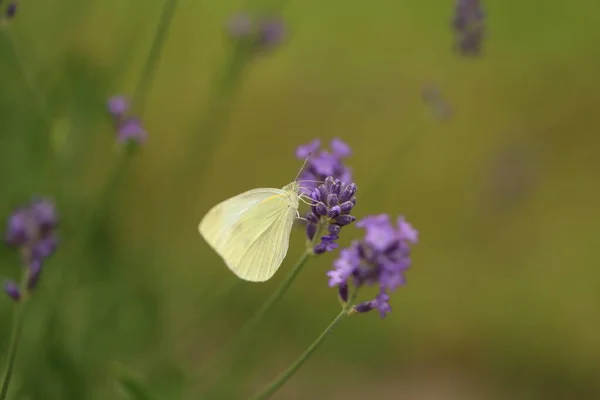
(12, 290)
(262, 34)
(118, 106)
(271, 33)
(128, 129)
(380, 258)
(332, 203)
(323, 163)
(469, 24)
(10, 11)
(131, 130)
(32, 230)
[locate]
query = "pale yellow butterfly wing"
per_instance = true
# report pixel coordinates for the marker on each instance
(251, 231)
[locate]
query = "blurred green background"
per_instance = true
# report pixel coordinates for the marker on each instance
(503, 299)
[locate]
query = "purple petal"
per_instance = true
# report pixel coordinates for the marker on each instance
(406, 231)
(339, 148)
(118, 105)
(305, 150)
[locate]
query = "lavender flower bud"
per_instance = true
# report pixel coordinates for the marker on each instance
(117, 106)
(363, 307)
(131, 130)
(334, 212)
(311, 230)
(343, 292)
(334, 229)
(332, 199)
(320, 209)
(35, 269)
(344, 220)
(348, 192)
(312, 218)
(12, 290)
(346, 207)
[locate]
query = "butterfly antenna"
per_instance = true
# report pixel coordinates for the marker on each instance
(303, 165)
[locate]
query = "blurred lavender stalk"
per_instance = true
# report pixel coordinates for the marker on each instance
(251, 37)
(29, 78)
(31, 230)
(129, 130)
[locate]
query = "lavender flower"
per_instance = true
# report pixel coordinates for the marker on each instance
(271, 33)
(380, 258)
(324, 163)
(11, 9)
(12, 290)
(131, 129)
(32, 230)
(118, 106)
(332, 203)
(128, 129)
(469, 24)
(260, 34)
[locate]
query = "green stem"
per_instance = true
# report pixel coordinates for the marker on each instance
(140, 95)
(266, 307)
(29, 78)
(238, 340)
(288, 373)
(14, 342)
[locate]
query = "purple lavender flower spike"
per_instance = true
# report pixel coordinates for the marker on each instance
(132, 130)
(12, 290)
(380, 258)
(32, 229)
(323, 163)
(118, 106)
(327, 211)
(469, 24)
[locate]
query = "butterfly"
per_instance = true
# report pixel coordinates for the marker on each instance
(251, 231)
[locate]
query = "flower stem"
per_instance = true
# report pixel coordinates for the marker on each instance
(29, 78)
(287, 374)
(14, 344)
(244, 333)
(262, 312)
(140, 95)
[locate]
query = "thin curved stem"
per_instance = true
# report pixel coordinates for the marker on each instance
(29, 78)
(144, 85)
(14, 345)
(266, 307)
(288, 373)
